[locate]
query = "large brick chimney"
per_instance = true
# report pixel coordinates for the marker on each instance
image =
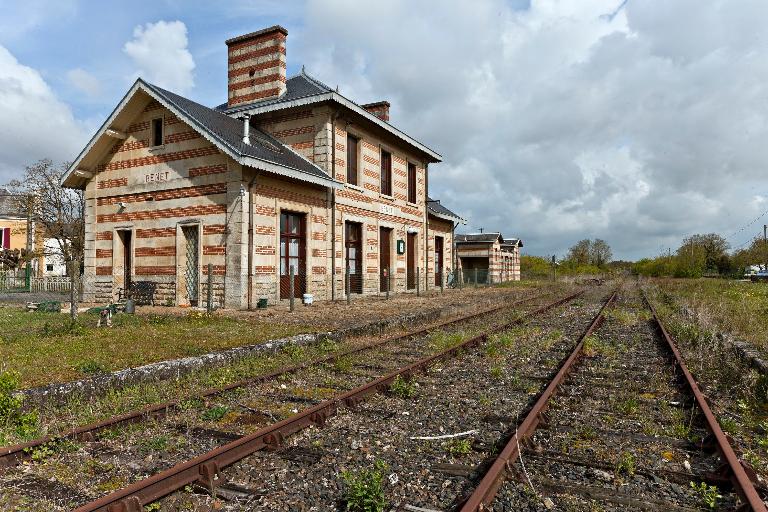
(380, 109)
(256, 66)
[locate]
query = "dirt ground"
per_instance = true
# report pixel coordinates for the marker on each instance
(327, 315)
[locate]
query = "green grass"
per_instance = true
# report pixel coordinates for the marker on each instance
(45, 348)
(737, 307)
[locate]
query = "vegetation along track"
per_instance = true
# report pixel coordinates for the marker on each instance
(629, 430)
(437, 404)
(120, 453)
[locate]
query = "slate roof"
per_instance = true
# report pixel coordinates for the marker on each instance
(299, 86)
(479, 237)
(8, 205)
(434, 206)
(229, 131)
(513, 241)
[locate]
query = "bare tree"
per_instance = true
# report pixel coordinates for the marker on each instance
(58, 210)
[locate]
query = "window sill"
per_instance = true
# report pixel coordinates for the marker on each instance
(155, 149)
(388, 198)
(412, 204)
(355, 187)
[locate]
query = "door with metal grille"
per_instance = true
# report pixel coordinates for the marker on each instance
(410, 275)
(292, 254)
(385, 266)
(353, 241)
(438, 260)
(192, 263)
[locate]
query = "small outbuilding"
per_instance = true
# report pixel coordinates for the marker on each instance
(488, 257)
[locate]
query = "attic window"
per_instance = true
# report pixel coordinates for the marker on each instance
(157, 132)
(251, 73)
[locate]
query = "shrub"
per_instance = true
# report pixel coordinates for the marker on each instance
(403, 388)
(708, 494)
(458, 447)
(364, 490)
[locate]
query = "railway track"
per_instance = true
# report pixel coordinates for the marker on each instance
(622, 426)
(121, 450)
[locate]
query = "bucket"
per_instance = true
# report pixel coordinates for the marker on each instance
(262, 304)
(130, 307)
(308, 299)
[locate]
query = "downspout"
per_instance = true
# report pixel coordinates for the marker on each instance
(250, 240)
(426, 227)
(332, 168)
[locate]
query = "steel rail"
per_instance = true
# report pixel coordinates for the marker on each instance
(485, 491)
(738, 475)
(15, 454)
(206, 469)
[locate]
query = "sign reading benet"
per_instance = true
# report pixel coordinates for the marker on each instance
(387, 209)
(156, 176)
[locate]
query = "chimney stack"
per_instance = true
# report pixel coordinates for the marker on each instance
(380, 109)
(256, 66)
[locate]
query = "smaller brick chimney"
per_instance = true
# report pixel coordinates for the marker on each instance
(380, 109)
(256, 66)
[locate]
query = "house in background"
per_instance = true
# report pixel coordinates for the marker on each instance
(287, 176)
(13, 228)
(489, 256)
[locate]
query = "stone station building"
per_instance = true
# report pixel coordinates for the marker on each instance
(287, 174)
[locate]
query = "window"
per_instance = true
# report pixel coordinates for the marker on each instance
(48, 267)
(386, 173)
(411, 182)
(157, 132)
(352, 143)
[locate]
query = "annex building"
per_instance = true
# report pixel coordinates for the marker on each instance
(287, 174)
(488, 257)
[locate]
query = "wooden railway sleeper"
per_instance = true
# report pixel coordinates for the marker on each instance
(210, 476)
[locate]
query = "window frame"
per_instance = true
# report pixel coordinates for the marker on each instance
(357, 140)
(153, 132)
(415, 180)
(382, 191)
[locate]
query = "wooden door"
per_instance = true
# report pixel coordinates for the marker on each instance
(410, 257)
(438, 260)
(191, 263)
(126, 237)
(385, 261)
(353, 245)
(293, 248)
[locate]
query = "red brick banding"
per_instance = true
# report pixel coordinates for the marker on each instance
(264, 269)
(276, 34)
(103, 270)
(180, 137)
(218, 270)
(103, 253)
(289, 132)
(119, 182)
(155, 233)
(247, 98)
(207, 170)
(214, 229)
(252, 82)
(190, 211)
(159, 159)
(264, 249)
(213, 250)
(104, 235)
(165, 195)
(138, 127)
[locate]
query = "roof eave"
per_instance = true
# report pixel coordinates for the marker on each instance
(223, 145)
(341, 100)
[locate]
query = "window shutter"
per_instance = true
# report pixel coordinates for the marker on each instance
(6, 238)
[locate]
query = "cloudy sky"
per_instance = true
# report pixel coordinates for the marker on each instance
(636, 121)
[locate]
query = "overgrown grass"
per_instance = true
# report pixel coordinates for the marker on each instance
(46, 348)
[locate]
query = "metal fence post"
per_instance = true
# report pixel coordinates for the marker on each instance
(347, 287)
(418, 279)
(73, 289)
(442, 282)
(475, 277)
(210, 288)
(386, 281)
(291, 288)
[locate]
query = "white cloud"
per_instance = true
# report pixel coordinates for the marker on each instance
(561, 121)
(159, 50)
(84, 81)
(34, 123)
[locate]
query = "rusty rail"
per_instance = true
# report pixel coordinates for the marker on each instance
(484, 493)
(738, 475)
(11, 455)
(206, 469)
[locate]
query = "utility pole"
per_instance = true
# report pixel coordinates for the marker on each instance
(765, 245)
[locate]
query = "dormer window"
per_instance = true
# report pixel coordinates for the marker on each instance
(157, 132)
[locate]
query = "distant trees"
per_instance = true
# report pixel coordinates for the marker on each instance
(595, 253)
(698, 255)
